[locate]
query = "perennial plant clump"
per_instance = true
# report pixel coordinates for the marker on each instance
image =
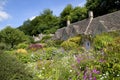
(35, 47)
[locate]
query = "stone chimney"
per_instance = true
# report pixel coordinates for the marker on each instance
(68, 22)
(91, 14)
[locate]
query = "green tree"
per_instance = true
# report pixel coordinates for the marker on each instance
(65, 15)
(12, 36)
(72, 14)
(46, 22)
(100, 7)
(25, 28)
(79, 13)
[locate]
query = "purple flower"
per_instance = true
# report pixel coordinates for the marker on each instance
(78, 59)
(101, 60)
(94, 78)
(90, 76)
(95, 71)
(85, 77)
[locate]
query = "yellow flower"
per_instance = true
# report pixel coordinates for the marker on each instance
(23, 51)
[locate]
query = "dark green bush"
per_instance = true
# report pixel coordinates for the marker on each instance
(11, 69)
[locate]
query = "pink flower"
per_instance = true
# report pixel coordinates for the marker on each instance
(94, 78)
(95, 71)
(78, 59)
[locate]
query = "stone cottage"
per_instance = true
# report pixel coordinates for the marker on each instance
(90, 26)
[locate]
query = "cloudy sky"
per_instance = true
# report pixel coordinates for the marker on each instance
(15, 12)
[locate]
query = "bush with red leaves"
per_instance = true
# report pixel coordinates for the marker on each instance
(35, 46)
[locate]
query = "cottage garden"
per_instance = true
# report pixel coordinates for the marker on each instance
(62, 60)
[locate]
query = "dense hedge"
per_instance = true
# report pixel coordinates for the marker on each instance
(11, 69)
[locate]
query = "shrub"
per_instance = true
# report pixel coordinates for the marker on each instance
(67, 45)
(22, 46)
(50, 52)
(35, 47)
(12, 36)
(3, 46)
(101, 41)
(11, 69)
(23, 51)
(76, 39)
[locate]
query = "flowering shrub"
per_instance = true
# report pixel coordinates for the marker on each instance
(35, 47)
(23, 51)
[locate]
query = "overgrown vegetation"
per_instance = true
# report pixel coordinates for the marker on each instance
(23, 59)
(63, 60)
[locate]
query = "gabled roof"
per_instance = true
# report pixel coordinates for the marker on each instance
(105, 23)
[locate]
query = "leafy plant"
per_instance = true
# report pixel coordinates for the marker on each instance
(12, 36)
(101, 41)
(22, 46)
(76, 39)
(49, 52)
(67, 45)
(11, 69)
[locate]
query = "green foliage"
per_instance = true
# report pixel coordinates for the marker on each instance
(71, 43)
(65, 15)
(68, 45)
(48, 23)
(100, 7)
(101, 41)
(114, 46)
(72, 14)
(3, 46)
(45, 38)
(12, 36)
(53, 43)
(22, 46)
(76, 39)
(45, 23)
(11, 69)
(50, 52)
(78, 13)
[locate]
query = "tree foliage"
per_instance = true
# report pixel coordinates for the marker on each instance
(65, 15)
(46, 23)
(73, 14)
(12, 36)
(100, 7)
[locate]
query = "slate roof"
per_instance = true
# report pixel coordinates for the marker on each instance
(105, 23)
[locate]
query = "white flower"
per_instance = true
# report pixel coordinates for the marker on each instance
(43, 67)
(70, 70)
